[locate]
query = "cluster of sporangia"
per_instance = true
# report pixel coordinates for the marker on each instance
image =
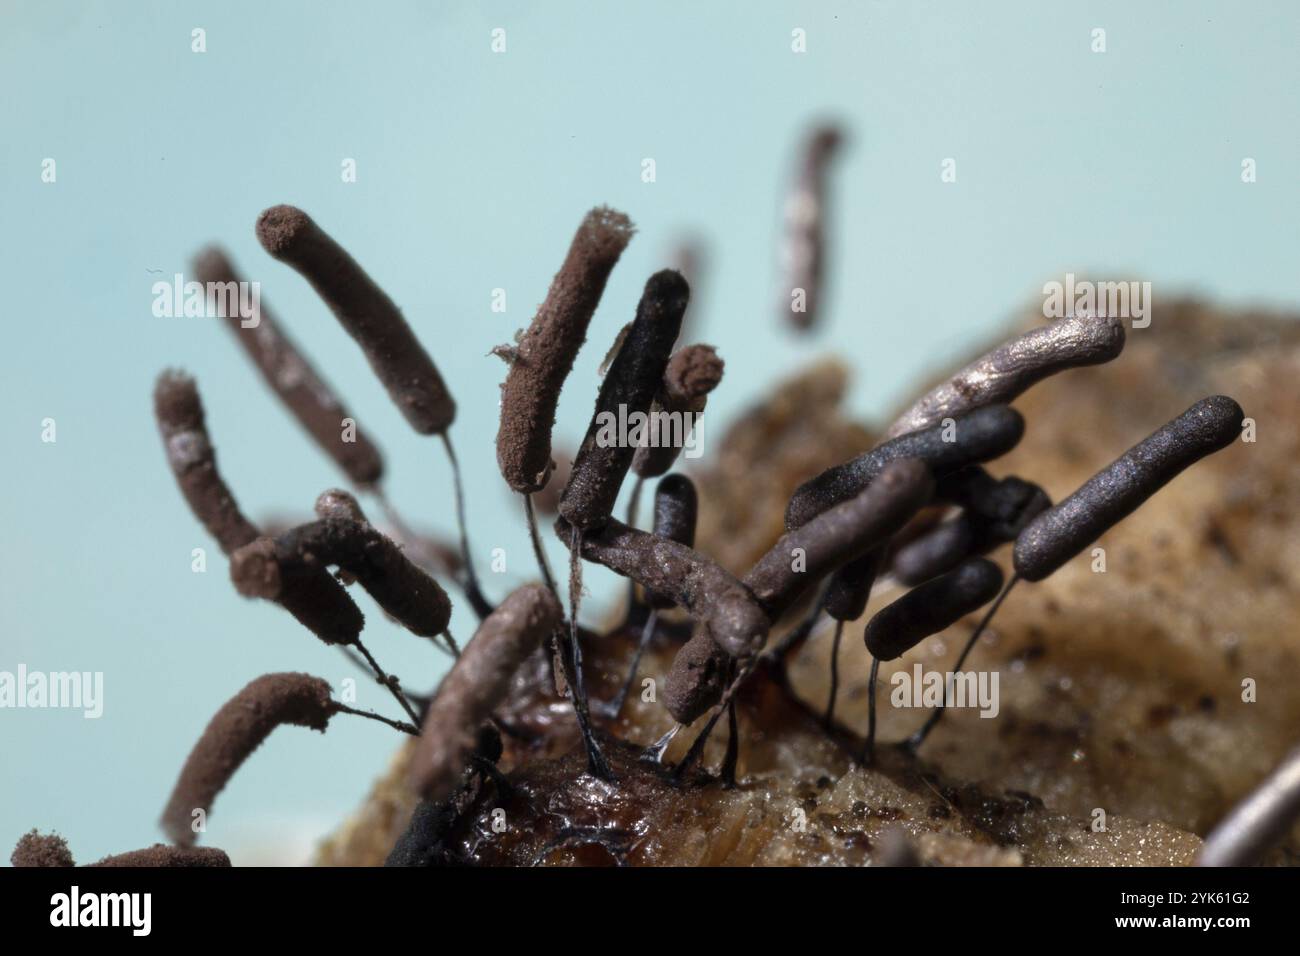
(843, 527)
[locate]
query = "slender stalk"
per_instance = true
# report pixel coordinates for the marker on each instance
(869, 745)
(835, 675)
(371, 715)
(473, 592)
(914, 742)
(557, 640)
(732, 756)
(655, 752)
(548, 577)
(697, 747)
(394, 687)
(597, 765)
(615, 706)
(633, 508)
(417, 699)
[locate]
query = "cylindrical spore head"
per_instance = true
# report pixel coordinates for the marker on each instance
(697, 678)
(286, 370)
(978, 436)
(193, 461)
(692, 373)
(849, 588)
(1115, 492)
(676, 506)
(1011, 506)
(1007, 371)
(234, 732)
(366, 313)
(840, 534)
(41, 850)
(938, 550)
(337, 503)
(549, 346)
(629, 387)
(477, 684)
(931, 607)
(737, 623)
(994, 512)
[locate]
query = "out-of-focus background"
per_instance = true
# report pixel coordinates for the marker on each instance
(473, 169)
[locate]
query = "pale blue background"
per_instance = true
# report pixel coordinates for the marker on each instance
(474, 169)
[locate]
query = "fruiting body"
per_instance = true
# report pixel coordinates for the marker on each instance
(724, 606)
(236, 730)
(477, 684)
(839, 535)
(366, 313)
(675, 509)
(547, 349)
(266, 569)
(931, 607)
(1000, 376)
(285, 369)
(697, 678)
(692, 373)
(629, 386)
(1119, 489)
(978, 436)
